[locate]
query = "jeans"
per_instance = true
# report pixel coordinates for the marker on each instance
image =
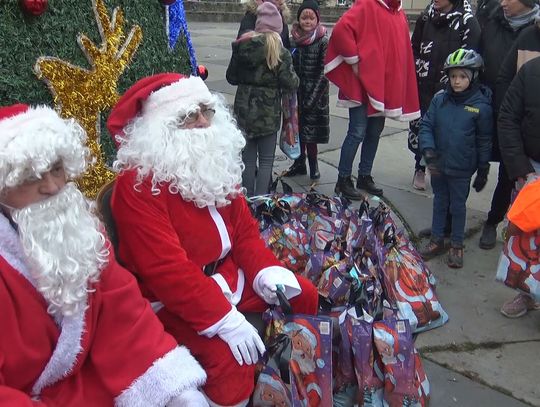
(451, 193)
(361, 130)
(264, 148)
(501, 197)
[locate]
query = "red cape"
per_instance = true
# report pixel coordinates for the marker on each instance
(377, 37)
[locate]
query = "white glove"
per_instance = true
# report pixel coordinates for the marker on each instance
(242, 338)
(266, 282)
(189, 398)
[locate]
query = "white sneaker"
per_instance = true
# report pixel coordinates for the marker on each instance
(419, 180)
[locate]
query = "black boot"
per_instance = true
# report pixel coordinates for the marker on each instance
(366, 183)
(298, 167)
(345, 187)
(314, 168)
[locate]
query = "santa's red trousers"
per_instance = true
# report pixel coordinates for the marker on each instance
(229, 383)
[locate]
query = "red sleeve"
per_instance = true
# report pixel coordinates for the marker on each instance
(10, 397)
(149, 247)
(129, 342)
(248, 249)
(345, 34)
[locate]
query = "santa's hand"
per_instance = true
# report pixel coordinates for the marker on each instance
(242, 338)
(189, 398)
(267, 280)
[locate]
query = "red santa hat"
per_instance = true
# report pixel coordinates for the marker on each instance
(304, 328)
(32, 139)
(161, 96)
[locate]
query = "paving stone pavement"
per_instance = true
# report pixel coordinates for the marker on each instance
(479, 358)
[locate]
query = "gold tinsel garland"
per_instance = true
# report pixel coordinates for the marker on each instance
(83, 94)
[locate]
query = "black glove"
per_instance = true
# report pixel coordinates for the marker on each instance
(431, 158)
(481, 178)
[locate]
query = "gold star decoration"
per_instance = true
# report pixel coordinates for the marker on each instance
(83, 94)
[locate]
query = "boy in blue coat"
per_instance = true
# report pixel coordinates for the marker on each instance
(455, 140)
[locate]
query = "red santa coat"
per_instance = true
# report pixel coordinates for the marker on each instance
(376, 37)
(114, 353)
(167, 241)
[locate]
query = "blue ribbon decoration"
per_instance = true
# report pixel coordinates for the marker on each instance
(177, 25)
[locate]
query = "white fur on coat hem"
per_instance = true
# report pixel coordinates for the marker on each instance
(168, 377)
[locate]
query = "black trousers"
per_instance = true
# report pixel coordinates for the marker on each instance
(500, 202)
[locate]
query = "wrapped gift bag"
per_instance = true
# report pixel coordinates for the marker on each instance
(289, 142)
(519, 264)
(299, 351)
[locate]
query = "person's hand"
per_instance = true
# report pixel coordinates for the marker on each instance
(189, 398)
(242, 338)
(267, 281)
(430, 156)
(481, 178)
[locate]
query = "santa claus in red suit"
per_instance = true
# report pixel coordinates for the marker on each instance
(185, 229)
(369, 58)
(75, 330)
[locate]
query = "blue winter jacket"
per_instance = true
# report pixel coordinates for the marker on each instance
(459, 127)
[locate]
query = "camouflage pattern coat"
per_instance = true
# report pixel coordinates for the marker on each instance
(257, 105)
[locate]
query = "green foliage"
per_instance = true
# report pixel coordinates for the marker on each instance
(24, 38)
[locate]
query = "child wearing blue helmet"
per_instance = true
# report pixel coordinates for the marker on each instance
(455, 139)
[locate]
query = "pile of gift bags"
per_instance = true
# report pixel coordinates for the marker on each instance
(375, 290)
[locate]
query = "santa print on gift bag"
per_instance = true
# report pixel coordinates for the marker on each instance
(311, 359)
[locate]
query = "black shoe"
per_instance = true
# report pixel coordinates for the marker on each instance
(298, 168)
(345, 187)
(314, 168)
(366, 183)
(489, 236)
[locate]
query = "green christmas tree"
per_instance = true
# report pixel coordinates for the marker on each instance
(80, 55)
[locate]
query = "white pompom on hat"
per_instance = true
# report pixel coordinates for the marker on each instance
(33, 139)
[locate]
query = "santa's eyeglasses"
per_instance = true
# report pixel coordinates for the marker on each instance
(192, 117)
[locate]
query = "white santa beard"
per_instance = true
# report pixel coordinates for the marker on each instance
(65, 247)
(306, 366)
(203, 165)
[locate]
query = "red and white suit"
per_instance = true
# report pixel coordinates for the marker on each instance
(114, 353)
(167, 241)
(374, 34)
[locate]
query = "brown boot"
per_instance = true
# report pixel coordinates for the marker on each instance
(455, 257)
(432, 249)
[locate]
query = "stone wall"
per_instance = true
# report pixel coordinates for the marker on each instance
(227, 11)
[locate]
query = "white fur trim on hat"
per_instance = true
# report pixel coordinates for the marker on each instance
(33, 141)
(177, 98)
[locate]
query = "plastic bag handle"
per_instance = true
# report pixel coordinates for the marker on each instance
(284, 303)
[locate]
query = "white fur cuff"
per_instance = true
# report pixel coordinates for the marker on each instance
(168, 377)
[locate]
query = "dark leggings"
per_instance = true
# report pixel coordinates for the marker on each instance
(311, 149)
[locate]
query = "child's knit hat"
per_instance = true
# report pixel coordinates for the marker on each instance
(268, 19)
(309, 4)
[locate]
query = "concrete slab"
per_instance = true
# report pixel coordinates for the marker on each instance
(496, 368)
(472, 298)
(450, 389)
